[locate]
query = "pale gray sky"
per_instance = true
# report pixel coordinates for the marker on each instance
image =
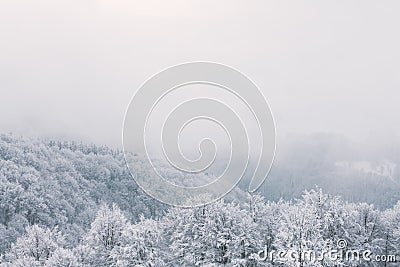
(69, 68)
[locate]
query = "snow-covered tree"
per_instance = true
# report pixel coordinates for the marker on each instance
(391, 233)
(219, 233)
(37, 245)
(141, 245)
(62, 258)
(299, 231)
(105, 234)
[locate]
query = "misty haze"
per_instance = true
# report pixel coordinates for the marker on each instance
(69, 69)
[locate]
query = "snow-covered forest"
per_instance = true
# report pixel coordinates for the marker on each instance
(71, 204)
(220, 234)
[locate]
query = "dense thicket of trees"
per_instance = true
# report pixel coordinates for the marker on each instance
(220, 234)
(70, 204)
(62, 184)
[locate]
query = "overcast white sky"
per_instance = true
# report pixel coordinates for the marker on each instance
(69, 68)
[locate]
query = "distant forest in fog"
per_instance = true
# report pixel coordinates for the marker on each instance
(358, 172)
